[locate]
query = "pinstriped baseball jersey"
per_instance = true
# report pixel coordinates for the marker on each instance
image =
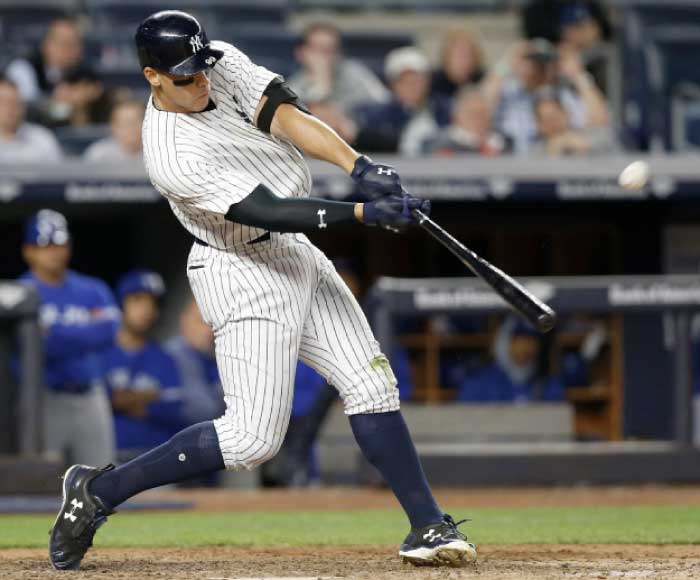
(205, 162)
(272, 302)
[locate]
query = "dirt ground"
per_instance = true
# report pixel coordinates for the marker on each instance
(542, 562)
(495, 563)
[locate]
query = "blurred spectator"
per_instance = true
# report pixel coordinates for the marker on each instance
(22, 142)
(515, 374)
(333, 115)
(581, 26)
(469, 130)
(326, 76)
(56, 82)
(578, 29)
(554, 19)
(557, 138)
(527, 68)
(125, 143)
(60, 53)
(461, 63)
(79, 100)
(587, 365)
(142, 378)
(79, 320)
(193, 352)
(412, 115)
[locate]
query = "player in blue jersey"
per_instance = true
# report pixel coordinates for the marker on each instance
(193, 351)
(79, 319)
(142, 379)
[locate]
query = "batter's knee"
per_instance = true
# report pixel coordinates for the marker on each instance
(244, 450)
(373, 389)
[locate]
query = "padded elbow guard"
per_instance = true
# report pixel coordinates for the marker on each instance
(277, 93)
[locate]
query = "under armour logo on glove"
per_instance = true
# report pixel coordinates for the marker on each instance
(431, 536)
(77, 505)
(210, 60)
(375, 180)
(196, 42)
(321, 224)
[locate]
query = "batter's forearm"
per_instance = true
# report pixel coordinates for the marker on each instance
(263, 209)
(313, 137)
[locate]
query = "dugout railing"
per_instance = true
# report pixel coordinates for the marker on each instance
(24, 468)
(672, 299)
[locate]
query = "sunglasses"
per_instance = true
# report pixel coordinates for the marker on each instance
(187, 80)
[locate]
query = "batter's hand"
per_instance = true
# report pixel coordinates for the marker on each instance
(374, 179)
(393, 212)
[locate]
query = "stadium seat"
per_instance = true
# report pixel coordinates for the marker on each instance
(685, 119)
(269, 46)
(226, 14)
(129, 77)
(415, 5)
(372, 47)
(657, 45)
(673, 53)
(74, 140)
(215, 15)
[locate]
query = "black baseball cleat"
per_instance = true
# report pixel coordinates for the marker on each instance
(79, 518)
(440, 544)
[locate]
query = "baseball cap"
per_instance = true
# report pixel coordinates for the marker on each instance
(47, 227)
(147, 281)
(540, 49)
(573, 13)
(404, 59)
(523, 328)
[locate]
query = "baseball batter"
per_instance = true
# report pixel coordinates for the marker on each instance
(222, 143)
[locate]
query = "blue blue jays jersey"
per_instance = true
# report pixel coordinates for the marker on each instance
(150, 368)
(307, 385)
(79, 319)
(203, 397)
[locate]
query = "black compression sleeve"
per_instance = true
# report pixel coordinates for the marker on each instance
(263, 209)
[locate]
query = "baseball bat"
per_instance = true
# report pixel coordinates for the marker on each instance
(536, 312)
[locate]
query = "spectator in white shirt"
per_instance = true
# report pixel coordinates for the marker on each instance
(515, 81)
(125, 142)
(22, 142)
(556, 136)
(326, 75)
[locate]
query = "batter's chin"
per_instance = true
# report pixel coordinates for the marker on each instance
(201, 103)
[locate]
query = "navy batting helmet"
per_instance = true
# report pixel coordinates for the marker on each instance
(174, 42)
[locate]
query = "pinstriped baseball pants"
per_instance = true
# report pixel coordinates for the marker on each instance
(269, 305)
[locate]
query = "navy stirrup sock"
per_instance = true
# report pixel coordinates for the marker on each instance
(192, 452)
(386, 443)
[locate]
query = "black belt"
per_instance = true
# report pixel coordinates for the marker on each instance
(264, 238)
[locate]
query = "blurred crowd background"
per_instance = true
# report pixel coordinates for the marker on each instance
(544, 77)
(537, 79)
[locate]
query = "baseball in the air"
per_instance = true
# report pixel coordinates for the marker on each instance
(635, 176)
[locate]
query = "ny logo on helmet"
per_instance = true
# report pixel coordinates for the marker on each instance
(196, 42)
